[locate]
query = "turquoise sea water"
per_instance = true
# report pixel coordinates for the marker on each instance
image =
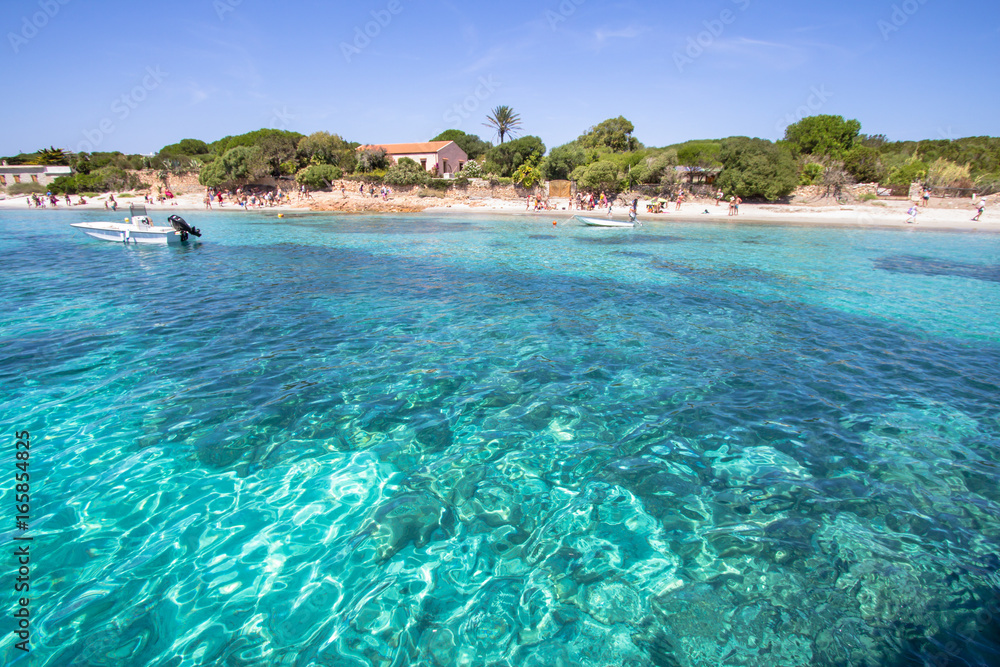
(471, 441)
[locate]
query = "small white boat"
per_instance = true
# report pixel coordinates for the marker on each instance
(138, 228)
(604, 222)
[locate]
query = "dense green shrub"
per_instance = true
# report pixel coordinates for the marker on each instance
(189, 147)
(326, 148)
(406, 172)
(503, 160)
(105, 179)
(16, 189)
(473, 146)
(213, 174)
(441, 184)
(602, 176)
(757, 168)
(562, 160)
(474, 169)
(657, 169)
(913, 171)
(614, 134)
(370, 177)
(528, 174)
(864, 164)
(318, 176)
(373, 159)
(237, 165)
(812, 174)
(828, 136)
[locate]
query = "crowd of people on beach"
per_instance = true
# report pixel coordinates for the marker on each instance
(49, 199)
(261, 197)
(250, 197)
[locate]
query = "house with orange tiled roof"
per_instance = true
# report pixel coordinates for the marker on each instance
(444, 159)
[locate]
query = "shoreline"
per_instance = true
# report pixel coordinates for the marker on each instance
(947, 215)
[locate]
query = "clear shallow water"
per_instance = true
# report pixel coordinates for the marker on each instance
(419, 441)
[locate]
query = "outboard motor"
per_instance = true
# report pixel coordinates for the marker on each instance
(178, 223)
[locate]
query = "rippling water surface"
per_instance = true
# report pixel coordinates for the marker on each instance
(470, 441)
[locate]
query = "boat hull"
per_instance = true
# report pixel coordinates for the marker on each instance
(604, 222)
(130, 234)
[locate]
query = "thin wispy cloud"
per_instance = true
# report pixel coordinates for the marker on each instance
(630, 32)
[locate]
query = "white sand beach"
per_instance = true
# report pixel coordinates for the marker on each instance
(941, 214)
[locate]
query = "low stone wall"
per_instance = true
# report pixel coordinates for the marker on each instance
(480, 188)
(477, 188)
(180, 184)
(809, 193)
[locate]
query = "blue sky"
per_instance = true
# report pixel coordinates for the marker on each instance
(129, 76)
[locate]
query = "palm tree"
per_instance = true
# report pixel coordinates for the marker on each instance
(49, 156)
(504, 121)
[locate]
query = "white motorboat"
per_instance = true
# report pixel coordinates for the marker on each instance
(605, 222)
(138, 228)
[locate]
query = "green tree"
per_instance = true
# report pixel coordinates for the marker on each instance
(562, 160)
(473, 146)
(239, 164)
(864, 164)
(504, 160)
(699, 154)
(504, 121)
(406, 172)
(213, 174)
(275, 149)
(373, 158)
(251, 139)
(614, 134)
(912, 171)
(603, 176)
(189, 147)
(528, 174)
(757, 168)
(49, 156)
(318, 176)
(656, 169)
(827, 136)
(322, 148)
